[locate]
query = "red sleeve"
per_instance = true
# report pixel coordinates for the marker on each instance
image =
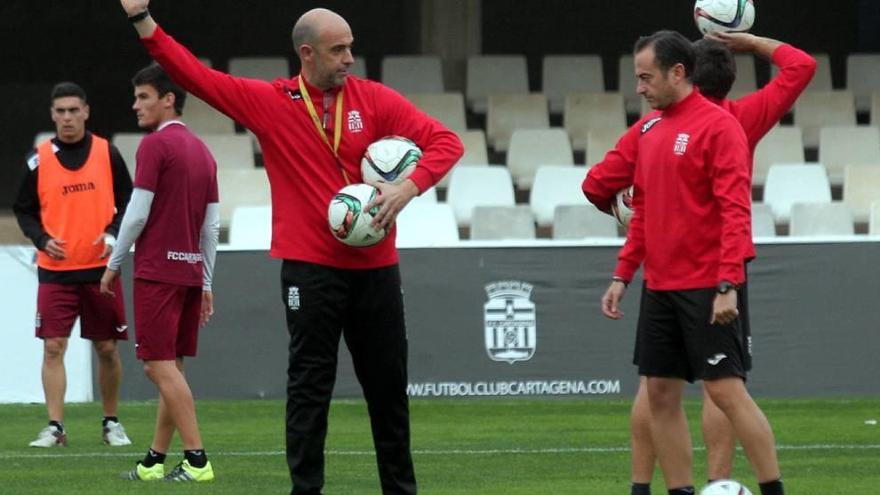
(214, 192)
(149, 159)
(614, 172)
(441, 148)
(761, 110)
(243, 100)
(727, 155)
(633, 251)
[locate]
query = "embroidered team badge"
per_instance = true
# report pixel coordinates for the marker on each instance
(355, 123)
(681, 144)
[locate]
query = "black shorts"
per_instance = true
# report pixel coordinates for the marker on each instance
(746, 328)
(676, 340)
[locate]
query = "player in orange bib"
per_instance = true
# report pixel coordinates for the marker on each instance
(70, 204)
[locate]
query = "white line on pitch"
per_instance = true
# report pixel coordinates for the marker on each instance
(565, 450)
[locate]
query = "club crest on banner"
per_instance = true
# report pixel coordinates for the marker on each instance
(510, 326)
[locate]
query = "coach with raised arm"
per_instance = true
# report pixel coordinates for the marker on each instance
(313, 130)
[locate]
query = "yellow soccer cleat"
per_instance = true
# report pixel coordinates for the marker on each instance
(142, 473)
(185, 472)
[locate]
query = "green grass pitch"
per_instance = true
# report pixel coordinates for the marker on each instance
(461, 447)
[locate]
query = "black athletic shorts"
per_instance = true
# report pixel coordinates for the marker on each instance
(675, 339)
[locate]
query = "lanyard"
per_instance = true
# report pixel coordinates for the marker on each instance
(337, 125)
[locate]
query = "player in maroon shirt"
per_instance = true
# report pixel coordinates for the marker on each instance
(174, 220)
(691, 229)
(757, 112)
(313, 130)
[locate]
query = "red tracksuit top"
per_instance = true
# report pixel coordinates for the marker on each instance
(303, 173)
(757, 112)
(691, 224)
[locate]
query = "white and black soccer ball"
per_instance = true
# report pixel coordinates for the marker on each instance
(622, 206)
(348, 218)
(725, 487)
(390, 159)
(724, 15)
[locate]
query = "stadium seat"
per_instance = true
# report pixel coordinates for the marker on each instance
(795, 183)
(874, 222)
(265, 68)
(783, 144)
(448, 108)
(231, 151)
(427, 197)
(822, 80)
(626, 85)
(478, 186)
(500, 223)
(127, 143)
(861, 188)
(555, 185)
(531, 148)
(863, 77)
(819, 219)
(494, 74)
(585, 111)
(43, 136)
(410, 74)
(475, 149)
(426, 225)
(475, 153)
(582, 221)
(202, 118)
(510, 112)
(251, 227)
(850, 145)
(599, 141)
(244, 187)
(564, 74)
(746, 78)
(763, 224)
(818, 109)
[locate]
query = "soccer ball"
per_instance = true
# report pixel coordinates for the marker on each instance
(622, 207)
(349, 221)
(724, 15)
(725, 487)
(390, 159)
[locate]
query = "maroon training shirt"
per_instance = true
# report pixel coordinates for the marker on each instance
(178, 168)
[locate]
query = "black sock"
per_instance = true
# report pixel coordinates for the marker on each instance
(685, 490)
(196, 458)
(640, 489)
(772, 488)
(152, 458)
(109, 418)
(57, 424)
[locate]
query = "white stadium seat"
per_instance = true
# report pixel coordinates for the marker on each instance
(478, 186)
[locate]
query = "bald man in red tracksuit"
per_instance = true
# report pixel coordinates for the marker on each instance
(313, 130)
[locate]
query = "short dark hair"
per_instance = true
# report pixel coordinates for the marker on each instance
(156, 77)
(715, 71)
(67, 88)
(670, 48)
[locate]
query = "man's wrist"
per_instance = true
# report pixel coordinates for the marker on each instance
(134, 19)
(621, 280)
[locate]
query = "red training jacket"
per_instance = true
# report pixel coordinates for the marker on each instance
(303, 173)
(691, 224)
(757, 112)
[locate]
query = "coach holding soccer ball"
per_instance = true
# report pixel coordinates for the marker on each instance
(313, 130)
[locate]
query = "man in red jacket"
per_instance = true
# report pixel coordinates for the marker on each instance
(691, 228)
(757, 112)
(313, 130)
